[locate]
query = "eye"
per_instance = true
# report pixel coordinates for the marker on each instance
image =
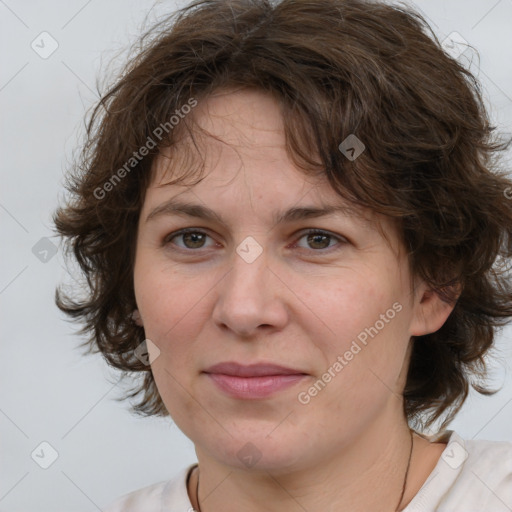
(319, 240)
(192, 238)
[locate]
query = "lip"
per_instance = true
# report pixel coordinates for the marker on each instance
(252, 370)
(254, 381)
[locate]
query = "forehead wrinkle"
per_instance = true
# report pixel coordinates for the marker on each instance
(188, 160)
(175, 206)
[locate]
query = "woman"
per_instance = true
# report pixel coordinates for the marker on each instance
(328, 286)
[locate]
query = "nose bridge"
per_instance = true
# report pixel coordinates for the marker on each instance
(249, 272)
(247, 298)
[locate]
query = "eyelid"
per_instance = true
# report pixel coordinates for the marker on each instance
(341, 240)
(318, 231)
(167, 238)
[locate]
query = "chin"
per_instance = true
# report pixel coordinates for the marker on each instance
(260, 452)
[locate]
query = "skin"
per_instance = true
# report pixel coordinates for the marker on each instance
(300, 304)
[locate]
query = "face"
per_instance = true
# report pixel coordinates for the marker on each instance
(334, 305)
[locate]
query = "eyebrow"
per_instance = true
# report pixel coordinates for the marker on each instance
(176, 207)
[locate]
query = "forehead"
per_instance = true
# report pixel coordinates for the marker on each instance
(230, 182)
(228, 132)
(243, 118)
(238, 128)
(234, 130)
(236, 141)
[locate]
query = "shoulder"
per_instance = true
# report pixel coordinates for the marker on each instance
(476, 475)
(156, 497)
(146, 498)
(490, 463)
(470, 476)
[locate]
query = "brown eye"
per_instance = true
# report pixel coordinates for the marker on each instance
(190, 238)
(318, 240)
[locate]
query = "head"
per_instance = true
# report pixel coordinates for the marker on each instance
(248, 110)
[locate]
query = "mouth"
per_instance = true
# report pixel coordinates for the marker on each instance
(256, 381)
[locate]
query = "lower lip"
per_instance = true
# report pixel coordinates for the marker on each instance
(254, 387)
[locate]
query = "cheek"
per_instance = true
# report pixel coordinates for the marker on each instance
(170, 307)
(362, 337)
(173, 313)
(173, 318)
(164, 296)
(342, 310)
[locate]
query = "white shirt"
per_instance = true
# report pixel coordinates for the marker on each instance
(470, 476)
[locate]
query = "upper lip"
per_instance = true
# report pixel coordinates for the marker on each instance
(252, 370)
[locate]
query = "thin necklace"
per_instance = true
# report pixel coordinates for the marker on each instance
(399, 501)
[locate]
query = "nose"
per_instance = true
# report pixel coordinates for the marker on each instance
(251, 298)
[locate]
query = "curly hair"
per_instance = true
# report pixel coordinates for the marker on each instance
(336, 68)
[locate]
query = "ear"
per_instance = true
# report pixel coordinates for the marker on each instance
(137, 318)
(430, 311)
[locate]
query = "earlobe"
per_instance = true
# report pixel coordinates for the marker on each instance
(430, 312)
(136, 318)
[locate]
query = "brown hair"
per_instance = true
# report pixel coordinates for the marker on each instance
(336, 67)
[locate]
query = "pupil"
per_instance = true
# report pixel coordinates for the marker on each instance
(197, 239)
(194, 237)
(311, 239)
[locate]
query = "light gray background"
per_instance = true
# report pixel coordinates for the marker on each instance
(49, 392)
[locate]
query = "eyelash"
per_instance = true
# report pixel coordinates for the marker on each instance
(341, 240)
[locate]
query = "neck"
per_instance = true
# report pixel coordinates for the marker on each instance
(376, 461)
